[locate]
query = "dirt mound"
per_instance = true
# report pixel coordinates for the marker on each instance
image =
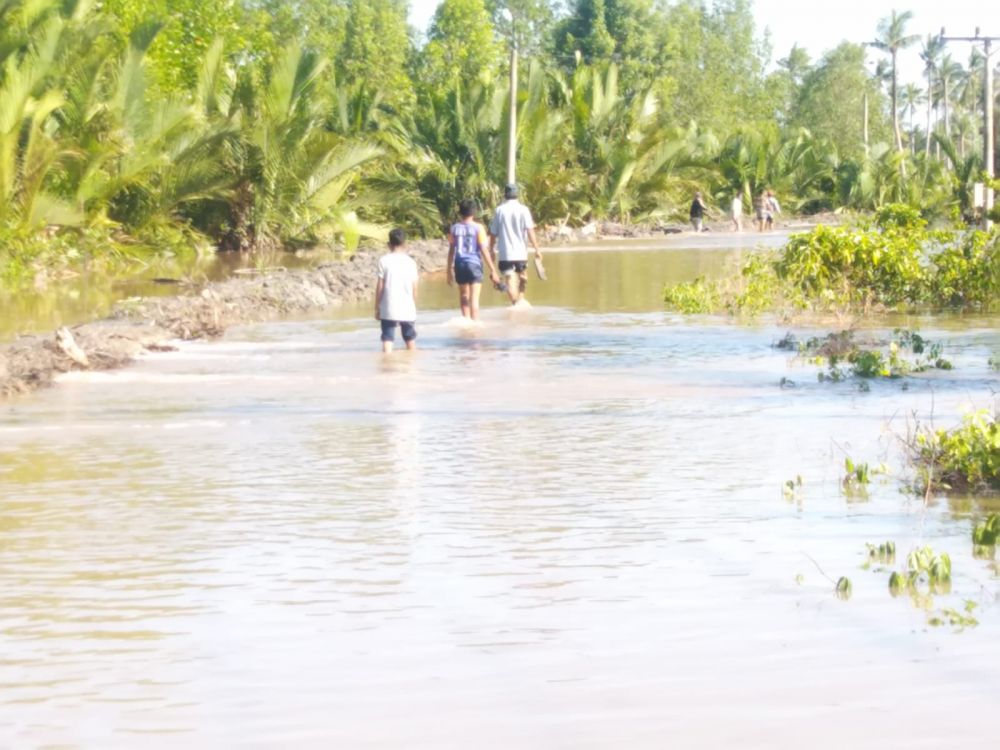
(149, 324)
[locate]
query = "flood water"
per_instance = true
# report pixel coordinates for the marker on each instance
(565, 529)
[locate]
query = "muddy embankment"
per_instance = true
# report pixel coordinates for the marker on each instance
(150, 324)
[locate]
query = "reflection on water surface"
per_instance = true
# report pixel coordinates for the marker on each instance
(565, 529)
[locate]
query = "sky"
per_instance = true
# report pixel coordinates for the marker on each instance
(821, 26)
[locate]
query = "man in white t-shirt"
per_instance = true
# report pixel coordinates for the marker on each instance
(396, 293)
(510, 231)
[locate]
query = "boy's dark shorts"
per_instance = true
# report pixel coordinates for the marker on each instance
(508, 266)
(466, 273)
(389, 330)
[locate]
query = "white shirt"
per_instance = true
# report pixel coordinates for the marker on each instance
(399, 275)
(737, 206)
(510, 226)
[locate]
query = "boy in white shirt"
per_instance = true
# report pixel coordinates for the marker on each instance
(396, 293)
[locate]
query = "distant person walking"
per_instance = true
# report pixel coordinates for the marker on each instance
(510, 231)
(467, 252)
(736, 213)
(396, 293)
(697, 213)
(759, 202)
(771, 209)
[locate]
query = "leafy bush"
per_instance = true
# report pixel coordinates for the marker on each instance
(966, 458)
(967, 273)
(692, 297)
(893, 263)
(899, 216)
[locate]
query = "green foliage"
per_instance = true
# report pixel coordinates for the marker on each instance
(857, 476)
(692, 297)
(987, 532)
(833, 93)
(843, 588)
(894, 264)
(376, 50)
(960, 619)
(925, 576)
(907, 352)
(790, 489)
(461, 45)
(966, 458)
(884, 553)
(253, 123)
(189, 28)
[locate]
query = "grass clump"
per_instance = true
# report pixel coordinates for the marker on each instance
(965, 459)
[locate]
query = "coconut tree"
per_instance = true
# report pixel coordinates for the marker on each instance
(950, 74)
(293, 178)
(892, 38)
(456, 137)
(930, 52)
(30, 150)
(625, 155)
(910, 98)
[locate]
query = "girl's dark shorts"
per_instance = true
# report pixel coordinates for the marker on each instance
(466, 273)
(408, 329)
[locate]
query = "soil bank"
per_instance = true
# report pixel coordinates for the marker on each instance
(150, 324)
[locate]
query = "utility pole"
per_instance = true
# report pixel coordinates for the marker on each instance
(866, 124)
(988, 133)
(512, 124)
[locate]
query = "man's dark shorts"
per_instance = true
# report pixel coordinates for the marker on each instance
(389, 330)
(508, 266)
(467, 273)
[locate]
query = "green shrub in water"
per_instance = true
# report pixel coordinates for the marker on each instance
(907, 352)
(986, 533)
(692, 297)
(966, 458)
(894, 262)
(843, 588)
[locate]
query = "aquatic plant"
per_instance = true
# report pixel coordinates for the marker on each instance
(907, 352)
(692, 297)
(791, 488)
(966, 458)
(843, 588)
(951, 616)
(987, 532)
(884, 553)
(857, 478)
(926, 574)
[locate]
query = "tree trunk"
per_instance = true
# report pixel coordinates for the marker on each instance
(895, 106)
(947, 119)
(930, 85)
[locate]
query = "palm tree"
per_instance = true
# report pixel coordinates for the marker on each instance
(911, 97)
(949, 74)
(892, 37)
(930, 53)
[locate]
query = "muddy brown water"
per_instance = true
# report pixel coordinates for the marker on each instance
(565, 528)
